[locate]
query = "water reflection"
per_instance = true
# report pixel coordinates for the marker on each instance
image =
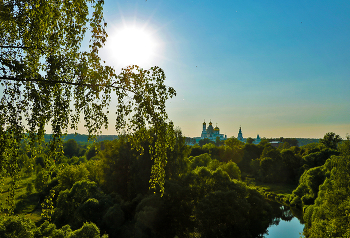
(287, 222)
(286, 229)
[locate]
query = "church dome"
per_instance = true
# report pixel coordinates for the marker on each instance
(216, 128)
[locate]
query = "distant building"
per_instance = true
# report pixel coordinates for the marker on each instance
(211, 133)
(240, 134)
(275, 143)
(240, 137)
(258, 140)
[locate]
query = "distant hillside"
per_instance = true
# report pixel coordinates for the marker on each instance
(292, 141)
(82, 138)
(305, 141)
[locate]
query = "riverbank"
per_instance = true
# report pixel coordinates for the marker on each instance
(279, 193)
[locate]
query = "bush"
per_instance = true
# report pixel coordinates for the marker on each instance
(71, 174)
(306, 192)
(113, 220)
(29, 188)
(199, 161)
(41, 180)
(89, 230)
(16, 226)
(232, 169)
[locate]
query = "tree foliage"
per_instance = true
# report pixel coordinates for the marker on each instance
(329, 216)
(250, 140)
(48, 78)
(125, 171)
(306, 192)
(331, 140)
(18, 226)
(205, 141)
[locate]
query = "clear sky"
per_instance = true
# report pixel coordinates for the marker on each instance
(276, 68)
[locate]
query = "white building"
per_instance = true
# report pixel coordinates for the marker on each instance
(212, 133)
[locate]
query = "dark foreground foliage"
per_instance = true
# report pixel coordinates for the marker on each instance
(108, 194)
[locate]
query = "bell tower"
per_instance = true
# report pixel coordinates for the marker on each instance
(204, 131)
(240, 134)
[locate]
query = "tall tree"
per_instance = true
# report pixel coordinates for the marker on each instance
(250, 140)
(331, 140)
(48, 78)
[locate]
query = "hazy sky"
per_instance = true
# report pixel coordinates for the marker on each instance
(276, 68)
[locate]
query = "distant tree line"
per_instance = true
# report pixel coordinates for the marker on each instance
(81, 138)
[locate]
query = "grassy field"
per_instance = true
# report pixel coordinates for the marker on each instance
(27, 203)
(279, 188)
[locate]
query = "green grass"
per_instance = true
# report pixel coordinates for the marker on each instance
(278, 188)
(26, 204)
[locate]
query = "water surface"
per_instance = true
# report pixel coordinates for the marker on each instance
(286, 229)
(287, 223)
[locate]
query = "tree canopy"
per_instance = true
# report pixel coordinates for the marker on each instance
(331, 140)
(49, 78)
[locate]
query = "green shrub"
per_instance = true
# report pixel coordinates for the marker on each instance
(29, 188)
(232, 169)
(17, 226)
(41, 180)
(71, 174)
(88, 230)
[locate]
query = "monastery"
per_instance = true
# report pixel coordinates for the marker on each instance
(212, 133)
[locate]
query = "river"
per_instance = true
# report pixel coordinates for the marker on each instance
(287, 227)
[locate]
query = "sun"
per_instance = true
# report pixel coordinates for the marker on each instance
(131, 46)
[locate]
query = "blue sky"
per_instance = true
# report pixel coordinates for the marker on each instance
(276, 68)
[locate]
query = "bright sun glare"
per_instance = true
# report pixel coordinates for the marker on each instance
(131, 45)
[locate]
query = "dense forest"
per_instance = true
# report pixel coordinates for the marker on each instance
(103, 189)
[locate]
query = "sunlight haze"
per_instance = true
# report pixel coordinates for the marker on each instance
(274, 68)
(131, 45)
